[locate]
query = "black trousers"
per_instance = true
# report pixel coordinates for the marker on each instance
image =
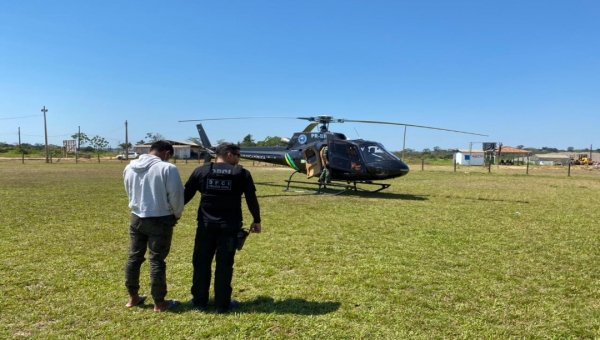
(214, 240)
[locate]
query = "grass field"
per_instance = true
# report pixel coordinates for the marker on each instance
(440, 254)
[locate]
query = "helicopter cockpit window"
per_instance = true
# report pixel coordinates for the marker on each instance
(376, 153)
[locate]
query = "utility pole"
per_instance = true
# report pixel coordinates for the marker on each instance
(44, 110)
(126, 143)
(22, 153)
(77, 148)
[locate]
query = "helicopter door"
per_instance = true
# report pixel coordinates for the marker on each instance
(313, 162)
(346, 157)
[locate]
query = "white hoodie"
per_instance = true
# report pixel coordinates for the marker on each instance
(154, 187)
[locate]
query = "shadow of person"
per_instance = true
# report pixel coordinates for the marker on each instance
(264, 304)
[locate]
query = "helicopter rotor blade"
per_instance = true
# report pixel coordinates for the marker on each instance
(413, 125)
(229, 118)
(328, 119)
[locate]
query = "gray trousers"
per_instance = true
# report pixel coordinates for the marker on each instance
(154, 234)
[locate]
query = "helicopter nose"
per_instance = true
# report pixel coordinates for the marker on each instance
(389, 169)
(400, 169)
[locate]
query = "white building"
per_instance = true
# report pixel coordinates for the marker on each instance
(183, 150)
(469, 157)
(551, 159)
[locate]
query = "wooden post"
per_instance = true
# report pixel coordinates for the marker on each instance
(527, 172)
(78, 144)
(126, 142)
(422, 164)
(454, 165)
(44, 110)
(22, 152)
(569, 170)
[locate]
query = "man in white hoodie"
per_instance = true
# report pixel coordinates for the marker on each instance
(156, 200)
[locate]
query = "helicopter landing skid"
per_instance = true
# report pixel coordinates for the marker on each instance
(349, 185)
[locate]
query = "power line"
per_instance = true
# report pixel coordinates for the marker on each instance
(60, 135)
(20, 117)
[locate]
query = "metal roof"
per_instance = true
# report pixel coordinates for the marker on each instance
(472, 150)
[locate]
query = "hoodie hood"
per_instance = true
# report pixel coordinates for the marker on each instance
(144, 163)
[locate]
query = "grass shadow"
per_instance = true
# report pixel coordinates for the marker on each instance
(268, 305)
(485, 199)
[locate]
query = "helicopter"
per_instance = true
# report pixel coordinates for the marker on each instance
(351, 162)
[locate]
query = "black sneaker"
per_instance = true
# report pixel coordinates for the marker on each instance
(232, 305)
(201, 308)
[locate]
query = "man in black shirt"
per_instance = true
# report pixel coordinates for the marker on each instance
(219, 221)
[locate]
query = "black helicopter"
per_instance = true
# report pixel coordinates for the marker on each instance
(351, 162)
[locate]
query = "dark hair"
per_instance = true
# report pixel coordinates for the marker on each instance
(223, 148)
(162, 145)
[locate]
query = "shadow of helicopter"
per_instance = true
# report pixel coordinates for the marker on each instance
(308, 190)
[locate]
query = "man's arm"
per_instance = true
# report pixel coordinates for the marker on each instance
(175, 191)
(252, 202)
(191, 186)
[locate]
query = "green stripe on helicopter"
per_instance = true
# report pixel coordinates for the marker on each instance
(290, 162)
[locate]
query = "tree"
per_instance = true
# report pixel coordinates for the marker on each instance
(195, 140)
(520, 147)
(154, 137)
(125, 146)
(141, 141)
(248, 141)
(271, 141)
(83, 138)
(98, 143)
(570, 149)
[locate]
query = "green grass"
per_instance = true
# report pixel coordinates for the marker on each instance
(440, 254)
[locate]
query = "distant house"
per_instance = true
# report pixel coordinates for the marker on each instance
(509, 155)
(469, 156)
(183, 150)
(551, 159)
(477, 156)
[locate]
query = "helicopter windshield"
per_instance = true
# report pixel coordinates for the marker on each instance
(375, 152)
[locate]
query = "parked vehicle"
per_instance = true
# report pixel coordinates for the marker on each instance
(131, 155)
(582, 159)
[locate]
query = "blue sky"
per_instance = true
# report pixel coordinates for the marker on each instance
(523, 72)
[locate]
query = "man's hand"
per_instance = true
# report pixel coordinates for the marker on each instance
(255, 228)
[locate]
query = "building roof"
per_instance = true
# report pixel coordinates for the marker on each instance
(552, 156)
(510, 149)
(472, 150)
